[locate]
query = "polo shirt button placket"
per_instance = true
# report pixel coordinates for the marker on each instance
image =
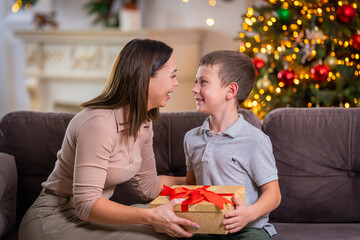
(208, 151)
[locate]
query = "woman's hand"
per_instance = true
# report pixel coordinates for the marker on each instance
(237, 219)
(165, 219)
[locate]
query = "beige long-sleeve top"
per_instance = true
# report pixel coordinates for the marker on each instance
(97, 154)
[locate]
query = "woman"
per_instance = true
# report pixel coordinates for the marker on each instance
(107, 143)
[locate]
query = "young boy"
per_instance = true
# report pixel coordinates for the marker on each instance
(227, 150)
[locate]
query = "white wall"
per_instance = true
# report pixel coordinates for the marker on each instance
(162, 14)
(70, 14)
(3, 74)
(5, 101)
(177, 14)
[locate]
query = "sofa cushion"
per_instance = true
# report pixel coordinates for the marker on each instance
(318, 158)
(8, 189)
(318, 231)
(33, 138)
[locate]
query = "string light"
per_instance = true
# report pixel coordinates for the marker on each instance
(210, 22)
(16, 6)
(212, 3)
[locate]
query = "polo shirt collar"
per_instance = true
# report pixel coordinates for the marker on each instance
(237, 127)
(233, 131)
(206, 125)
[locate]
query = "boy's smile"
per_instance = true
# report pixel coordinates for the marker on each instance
(199, 100)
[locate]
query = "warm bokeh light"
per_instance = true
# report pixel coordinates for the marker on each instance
(210, 22)
(212, 3)
(315, 62)
(15, 8)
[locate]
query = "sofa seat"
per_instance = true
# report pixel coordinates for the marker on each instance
(317, 231)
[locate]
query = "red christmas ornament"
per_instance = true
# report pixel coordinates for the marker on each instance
(355, 41)
(319, 73)
(287, 77)
(258, 63)
(346, 13)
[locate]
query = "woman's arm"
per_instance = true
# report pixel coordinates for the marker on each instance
(190, 178)
(107, 211)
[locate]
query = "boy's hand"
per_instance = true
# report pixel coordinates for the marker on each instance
(237, 219)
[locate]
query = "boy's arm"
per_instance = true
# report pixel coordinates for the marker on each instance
(268, 201)
(170, 180)
(190, 178)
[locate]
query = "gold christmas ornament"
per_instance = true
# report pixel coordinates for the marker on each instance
(330, 61)
(263, 83)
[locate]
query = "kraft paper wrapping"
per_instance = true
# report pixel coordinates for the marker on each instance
(206, 214)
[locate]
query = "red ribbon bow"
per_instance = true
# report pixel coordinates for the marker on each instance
(195, 196)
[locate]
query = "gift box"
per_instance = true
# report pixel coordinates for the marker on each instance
(205, 205)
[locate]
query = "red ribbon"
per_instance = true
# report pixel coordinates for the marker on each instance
(195, 196)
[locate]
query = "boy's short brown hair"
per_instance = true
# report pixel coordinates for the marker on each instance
(235, 67)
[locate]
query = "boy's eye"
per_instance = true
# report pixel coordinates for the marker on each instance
(203, 83)
(196, 81)
(173, 76)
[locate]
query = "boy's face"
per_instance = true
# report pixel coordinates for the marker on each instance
(208, 92)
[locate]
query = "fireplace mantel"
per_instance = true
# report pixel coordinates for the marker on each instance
(64, 68)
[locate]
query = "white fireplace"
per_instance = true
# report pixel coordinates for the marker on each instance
(66, 68)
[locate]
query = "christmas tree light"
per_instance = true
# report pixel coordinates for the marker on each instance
(306, 53)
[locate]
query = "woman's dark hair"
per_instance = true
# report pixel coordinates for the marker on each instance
(129, 81)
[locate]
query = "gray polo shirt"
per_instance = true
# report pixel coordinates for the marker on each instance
(242, 155)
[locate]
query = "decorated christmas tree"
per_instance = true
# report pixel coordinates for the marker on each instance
(306, 53)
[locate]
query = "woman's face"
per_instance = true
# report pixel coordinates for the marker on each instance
(162, 85)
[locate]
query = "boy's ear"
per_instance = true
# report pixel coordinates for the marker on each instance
(233, 88)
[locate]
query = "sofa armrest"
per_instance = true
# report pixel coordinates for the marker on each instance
(8, 189)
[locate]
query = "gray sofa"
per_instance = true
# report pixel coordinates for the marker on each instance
(317, 154)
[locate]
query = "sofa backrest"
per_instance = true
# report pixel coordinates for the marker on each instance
(318, 158)
(34, 138)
